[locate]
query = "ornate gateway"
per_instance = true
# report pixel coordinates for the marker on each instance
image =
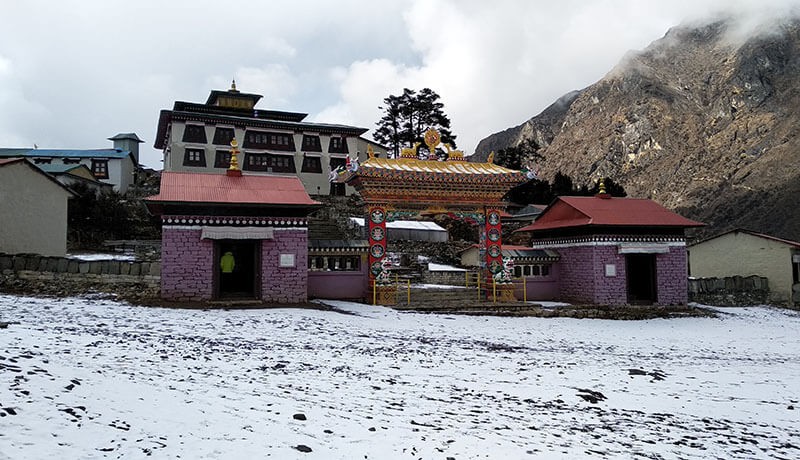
(394, 188)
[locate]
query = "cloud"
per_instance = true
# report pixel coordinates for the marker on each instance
(74, 73)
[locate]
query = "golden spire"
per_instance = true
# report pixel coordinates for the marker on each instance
(370, 152)
(491, 158)
(234, 170)
(602, 186)
(233, 87)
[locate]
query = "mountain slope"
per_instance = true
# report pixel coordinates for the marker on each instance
(699, 121)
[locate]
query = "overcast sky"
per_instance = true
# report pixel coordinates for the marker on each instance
(73, 73)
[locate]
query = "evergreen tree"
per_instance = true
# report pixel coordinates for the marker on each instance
(407, 117)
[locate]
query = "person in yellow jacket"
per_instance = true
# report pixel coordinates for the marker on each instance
(227, 263)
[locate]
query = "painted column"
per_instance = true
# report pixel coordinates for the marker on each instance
(494, 246)
(376, 235)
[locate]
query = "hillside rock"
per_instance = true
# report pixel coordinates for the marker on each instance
(703, 121)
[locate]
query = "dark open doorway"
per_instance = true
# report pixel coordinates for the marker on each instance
(641, 276)
(237, 269)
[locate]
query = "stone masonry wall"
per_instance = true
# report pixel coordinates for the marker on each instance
(672, 277)
(285, 284)
(64, 276)
(609, 290)
(577, 274)
(187, 265)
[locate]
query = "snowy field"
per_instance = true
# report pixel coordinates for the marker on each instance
(91, 378)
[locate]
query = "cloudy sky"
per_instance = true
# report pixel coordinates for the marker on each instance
(73, 73)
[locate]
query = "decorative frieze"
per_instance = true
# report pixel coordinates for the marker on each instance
(243, 221)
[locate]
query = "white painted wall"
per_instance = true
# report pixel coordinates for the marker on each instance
(33, 212)
(743, 254)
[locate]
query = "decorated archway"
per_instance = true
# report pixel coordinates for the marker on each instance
(407, 187)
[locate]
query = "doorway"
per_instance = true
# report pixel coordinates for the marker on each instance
(641, 277)
(237, 269)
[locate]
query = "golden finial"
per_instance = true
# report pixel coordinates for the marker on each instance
(432, 139)
(370, 152)
(602, 186)
(491, 158)
(234, 170)
(233, 86)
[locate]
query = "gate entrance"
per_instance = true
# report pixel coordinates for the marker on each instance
(237, 269)
(641, 278)
(409, 187)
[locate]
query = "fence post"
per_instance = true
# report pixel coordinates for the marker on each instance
(524, 289)
(408, 287)
(494, 291)
(479, 286)
(374, 294)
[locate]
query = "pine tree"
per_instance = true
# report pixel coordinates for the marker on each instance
(407, 117)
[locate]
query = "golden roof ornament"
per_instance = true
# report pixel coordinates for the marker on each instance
(491, 157)
(603, 186)
(370, 152)
(233, 169)
(410, 153)
(432, 139)
(453, 155)
(233, 87)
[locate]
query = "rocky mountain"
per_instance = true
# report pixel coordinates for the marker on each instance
(705, 121)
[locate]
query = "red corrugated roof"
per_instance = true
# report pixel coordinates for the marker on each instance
(220, 188)
(8, 161)
(580, 211)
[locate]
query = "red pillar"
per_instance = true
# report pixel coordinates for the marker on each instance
(494, 246)
(376, 234)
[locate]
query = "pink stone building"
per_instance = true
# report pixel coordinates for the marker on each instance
(261, 221)
(615, 251)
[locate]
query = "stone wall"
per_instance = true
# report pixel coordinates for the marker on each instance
(731, 291)
(672, 277)
(285, 284)
(188, 265)
(446, 277)
(63, 276)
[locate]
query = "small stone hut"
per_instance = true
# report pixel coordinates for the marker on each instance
(260, 220)
(615, 251)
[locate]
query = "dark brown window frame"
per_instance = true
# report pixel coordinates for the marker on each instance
(100, 169)
(341, 148)
(223, 135)
(222, 159)
(200, 161)
(269, 162)
(311, 165)
(311, 143)
(194, 133)
(269, 140)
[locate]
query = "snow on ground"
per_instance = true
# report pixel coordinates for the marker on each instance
(443, 268)
(91, 378)
(90, 257)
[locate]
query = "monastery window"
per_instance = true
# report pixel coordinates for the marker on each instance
(222, 159)
(42, 161)
(338, 145)
(194, 157)
(337, 189)
(269, 163)
(334, 263)
(100, 169)
(71, 161)
(532, 270)
(312, 165)
(266, 140)
(194, 133)
(223, 136)
(311, 144)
